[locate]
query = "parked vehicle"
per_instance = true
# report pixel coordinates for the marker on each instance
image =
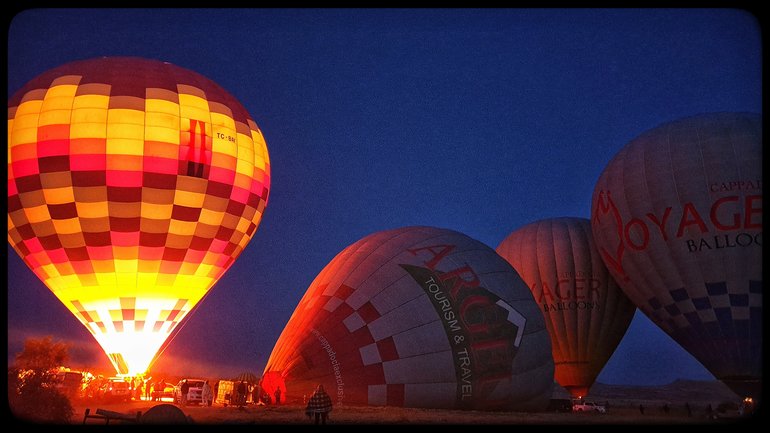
(115, 388)
(161, 394)
(70, 383)
(588, 406)
(194, 394)
(225, 393)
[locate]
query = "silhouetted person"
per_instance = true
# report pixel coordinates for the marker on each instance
(158, 389)
(687, 407)
(148, 389)
(665, 408)
(277, 394)
(320, 404)
(241, 393)
(710, 411)
(641, 409)
(136, 388)
(185, 388)
(255, 394)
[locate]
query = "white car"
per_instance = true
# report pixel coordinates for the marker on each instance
(194, 394)
(588, 407)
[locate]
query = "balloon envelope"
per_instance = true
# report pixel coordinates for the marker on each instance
(585, 311)
(247, 376)
(133, 185)
(677, 217)
(417, 317)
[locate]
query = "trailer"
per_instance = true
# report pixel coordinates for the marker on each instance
(225, 394)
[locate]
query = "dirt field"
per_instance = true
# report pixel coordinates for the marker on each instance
(624, 401)
(294, 414)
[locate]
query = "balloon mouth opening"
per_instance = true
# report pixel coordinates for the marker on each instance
(131, 353)
(272, 381)
(744, 386)
(577, 391)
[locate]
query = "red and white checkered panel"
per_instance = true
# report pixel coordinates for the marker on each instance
(585, 311)
(131, 179)
(677, 218)
(418, 317)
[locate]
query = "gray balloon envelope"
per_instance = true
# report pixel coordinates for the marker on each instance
(417, 317)
(677, 217)
(585, 311)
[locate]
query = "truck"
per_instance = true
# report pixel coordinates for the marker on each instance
(588, 406)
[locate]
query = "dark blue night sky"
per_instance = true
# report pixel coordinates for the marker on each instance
(480, 121)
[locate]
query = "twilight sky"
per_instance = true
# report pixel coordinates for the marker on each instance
(480, 121)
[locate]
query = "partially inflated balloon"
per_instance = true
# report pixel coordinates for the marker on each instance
(417, 317)
(677, 217)
(585, 311)
(133, 185)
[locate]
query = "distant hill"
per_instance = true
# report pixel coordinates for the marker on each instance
(679, 391)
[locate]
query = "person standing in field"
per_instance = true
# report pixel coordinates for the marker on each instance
(320, 404)
(148, 388)
(206, 394)
(184, 390)
(138, 388)
(255, 394)
(710, 412)
(241, 393)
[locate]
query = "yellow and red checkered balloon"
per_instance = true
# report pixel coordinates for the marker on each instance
(133, 185)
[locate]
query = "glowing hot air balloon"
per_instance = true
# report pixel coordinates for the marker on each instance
(417, 317)
(585, 311)
(133, 185)
(677, 217)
